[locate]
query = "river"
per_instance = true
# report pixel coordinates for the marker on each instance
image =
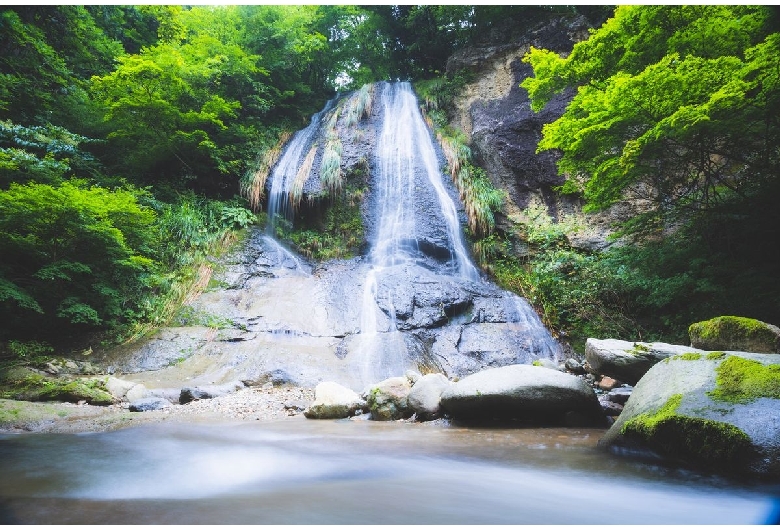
(301, 471)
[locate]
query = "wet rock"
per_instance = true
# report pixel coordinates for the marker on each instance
(171, 395)
(425, 396)
(610, 407)
(683, 411)
(276, 377)
(150, 403)
(574, 366)
(333, 401)
(628, 361)
(525, 393)
(620, 395)
(70, 367)
(208, 391)
(389, 399)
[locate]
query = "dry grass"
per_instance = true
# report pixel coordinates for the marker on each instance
(253, 183)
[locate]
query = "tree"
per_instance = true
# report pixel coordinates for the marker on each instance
(675, 104)
(74, 256)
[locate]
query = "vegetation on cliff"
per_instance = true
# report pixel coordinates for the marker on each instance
(676, 110)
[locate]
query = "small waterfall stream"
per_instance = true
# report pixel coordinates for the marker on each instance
(283, 175)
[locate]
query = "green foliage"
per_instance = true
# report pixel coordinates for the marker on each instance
(44, 154)
(690, 356)
(330, 167)
(359, 105)
(188, 316)
(676, 104)
(336, 233)
(40, 388)
(744, 380)
(71, 251)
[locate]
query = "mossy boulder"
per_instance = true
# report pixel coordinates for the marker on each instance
(389, 399)
(715, 412)
(29, 385)
(736, 334)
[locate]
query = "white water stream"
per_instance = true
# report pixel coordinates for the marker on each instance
(285, 170)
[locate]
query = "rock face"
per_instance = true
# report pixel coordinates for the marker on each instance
(715, 410)
(735, 333)
(425, 397)
(628, 361)
(333, 401)
(389, 399)
(356, 321)
(525, 393)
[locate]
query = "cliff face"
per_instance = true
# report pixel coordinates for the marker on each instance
(495, 113)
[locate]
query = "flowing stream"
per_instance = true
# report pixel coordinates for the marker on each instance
(353, 472)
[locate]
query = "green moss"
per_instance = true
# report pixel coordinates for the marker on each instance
(638, 349)
(696, 440)
(690, 356)
(39, 388)
(743, 380)
(716, 355)
(733, 333)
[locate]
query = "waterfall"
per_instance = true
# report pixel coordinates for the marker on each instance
(405, 147)
(283, 179)
(419, 299)
(405, 156)
(284, 172)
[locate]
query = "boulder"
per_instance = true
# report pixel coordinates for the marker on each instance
(735, 333)
(425, 397)
(628, 361)
(333, 401)
(149, 403)
(123, 390)
(389, 399)
(607, 383)
(208, 391)
(526, 393)
(717, 411)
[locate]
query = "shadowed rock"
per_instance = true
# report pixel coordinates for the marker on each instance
(525, 393)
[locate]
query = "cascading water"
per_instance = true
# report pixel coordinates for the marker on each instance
(408, 173)
(284, 172)
(282, 180)
(419, 300)
(405, 148)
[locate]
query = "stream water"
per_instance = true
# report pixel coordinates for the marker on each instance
(353, 472)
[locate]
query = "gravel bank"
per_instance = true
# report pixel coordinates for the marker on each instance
(249, 404)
